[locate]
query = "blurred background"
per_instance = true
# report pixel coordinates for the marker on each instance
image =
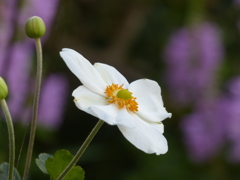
(190, 47)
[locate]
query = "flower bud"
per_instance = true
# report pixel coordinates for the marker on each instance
(3, 89)
(35, 27)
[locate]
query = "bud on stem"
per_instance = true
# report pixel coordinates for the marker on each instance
(35, 27)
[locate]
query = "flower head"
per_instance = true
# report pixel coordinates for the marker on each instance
(137, 108)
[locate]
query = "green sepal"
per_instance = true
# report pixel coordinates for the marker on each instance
(55, 166)
(41, 161)
(4, 169)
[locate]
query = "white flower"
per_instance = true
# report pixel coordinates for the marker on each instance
(136, 108)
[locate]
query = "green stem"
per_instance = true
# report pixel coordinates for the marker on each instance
(81, 150)
(35, 108)
(11, 138)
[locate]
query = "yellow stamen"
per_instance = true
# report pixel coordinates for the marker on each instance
(115, 95)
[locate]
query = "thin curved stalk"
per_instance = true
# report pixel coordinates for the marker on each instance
(81, 150)
(11, 139)
(35, 108)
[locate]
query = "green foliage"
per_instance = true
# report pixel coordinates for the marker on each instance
(55, 166)
(4, 169)
(76, 173)
(41, 161)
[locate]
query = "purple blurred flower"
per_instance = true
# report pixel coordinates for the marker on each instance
(53, 101)
(204, 132)
(215, 124)
(231, 109)
(16, 61)
(192, 57)
(7, 13)
(234, 87)
(18, 77)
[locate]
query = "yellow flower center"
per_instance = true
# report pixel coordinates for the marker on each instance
(122, 97)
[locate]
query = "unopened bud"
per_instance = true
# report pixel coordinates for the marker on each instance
(35, 27)
(3, 89)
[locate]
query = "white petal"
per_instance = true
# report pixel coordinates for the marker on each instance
(114, 116)
(146, 137)
(111, 75)
(158, 126)
(149, 99)
(84, 98)
(84, 70)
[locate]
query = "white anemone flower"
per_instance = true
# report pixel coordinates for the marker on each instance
(137, 108)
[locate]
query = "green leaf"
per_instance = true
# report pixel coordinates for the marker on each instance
(76, 173)
(41, 161)
(4, 167)
(55, 166)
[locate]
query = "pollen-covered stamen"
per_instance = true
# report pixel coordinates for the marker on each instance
(122, 97)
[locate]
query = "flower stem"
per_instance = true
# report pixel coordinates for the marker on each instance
(11, 138)
(35, 108)
(81, 150)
